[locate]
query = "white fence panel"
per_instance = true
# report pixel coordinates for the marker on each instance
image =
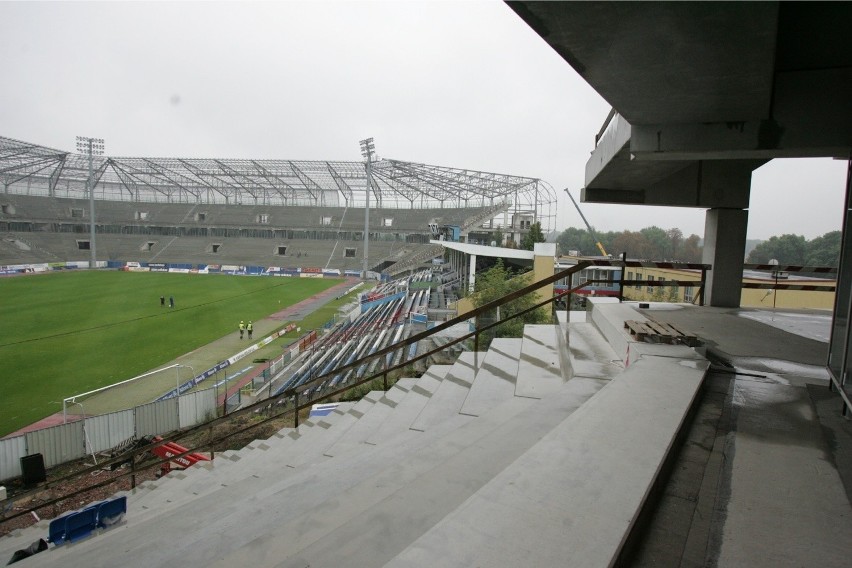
(106, 431)
(157, 418)
(11, 452)
(57, 444)
(197, 407)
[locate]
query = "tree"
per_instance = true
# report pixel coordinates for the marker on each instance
(533, 236)
(691, 249)
(658, 243)
(497, 282)
(786, 249)
(675, 237)
(576, 239)
(498, 237)
(824, 250)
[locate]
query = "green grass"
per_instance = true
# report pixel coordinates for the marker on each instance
(67, 333)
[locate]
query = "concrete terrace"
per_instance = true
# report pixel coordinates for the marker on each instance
(556, 449)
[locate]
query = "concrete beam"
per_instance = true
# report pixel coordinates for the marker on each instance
(705, 184)
(615, 138)
(811, 117)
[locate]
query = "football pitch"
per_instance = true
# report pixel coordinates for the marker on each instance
(66, 333)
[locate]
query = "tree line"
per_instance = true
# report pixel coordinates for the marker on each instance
(651, 243)
(654, 243)
(797, 250)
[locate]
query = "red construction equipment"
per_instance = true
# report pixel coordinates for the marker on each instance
(172, 449)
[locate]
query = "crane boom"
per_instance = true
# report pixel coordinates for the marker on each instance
(588, 227)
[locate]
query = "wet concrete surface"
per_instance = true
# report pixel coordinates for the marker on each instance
(763, 476)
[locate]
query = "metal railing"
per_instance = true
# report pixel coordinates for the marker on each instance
(290, 402)
(624, 264)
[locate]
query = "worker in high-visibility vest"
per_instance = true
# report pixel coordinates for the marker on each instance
(242, 329)
(249, 328)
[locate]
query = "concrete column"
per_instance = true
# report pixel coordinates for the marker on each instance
(471, 282)
(724, 248)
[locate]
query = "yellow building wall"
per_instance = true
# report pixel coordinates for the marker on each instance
(750, 298)
(792, 299)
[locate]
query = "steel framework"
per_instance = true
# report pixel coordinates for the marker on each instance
(31, 169)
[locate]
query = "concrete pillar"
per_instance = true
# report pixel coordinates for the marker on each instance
(724, 248)
(471, 285)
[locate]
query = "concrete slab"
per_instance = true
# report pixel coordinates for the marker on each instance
(539, 369)
(198, 481)
(204, 477)
(495, 380)
(565, 502)
(449, 396)
(726, 331)
(359, 432)
(784, 494)
(409, 408)
(590, 355)
(408, 498)
(609, 318)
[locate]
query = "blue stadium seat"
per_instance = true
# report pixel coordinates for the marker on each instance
(79, 525)
(56, 530)
(111, 512)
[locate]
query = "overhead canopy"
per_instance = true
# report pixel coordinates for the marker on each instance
(704, 92)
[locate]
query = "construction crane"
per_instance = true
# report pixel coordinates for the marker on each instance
(589, 227)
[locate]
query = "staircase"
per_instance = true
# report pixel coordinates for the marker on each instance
(541, 451)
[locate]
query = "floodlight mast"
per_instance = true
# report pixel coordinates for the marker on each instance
(367, 150)
(91, 147)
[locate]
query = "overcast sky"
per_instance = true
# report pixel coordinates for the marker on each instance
(460, 84)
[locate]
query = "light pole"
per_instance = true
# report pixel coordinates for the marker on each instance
(774, 262)
(367, 149)
(91, 147)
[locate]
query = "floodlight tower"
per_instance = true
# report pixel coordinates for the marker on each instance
(367, 150)
(91, 147)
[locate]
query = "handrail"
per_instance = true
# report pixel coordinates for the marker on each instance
(282, 400)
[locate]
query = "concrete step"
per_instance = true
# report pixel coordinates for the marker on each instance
(369, 423)
(574, 496)
(370, 523)
(589, 353)
(312, 442)
(449, 397)
(252, 465)
(270, 490)
(539, 369)
(410, 407)
(281, 512)
(495, 380)
(203, 478)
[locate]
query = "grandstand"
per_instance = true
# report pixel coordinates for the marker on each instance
(263, 212)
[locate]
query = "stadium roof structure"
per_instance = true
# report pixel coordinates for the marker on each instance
(38, 170)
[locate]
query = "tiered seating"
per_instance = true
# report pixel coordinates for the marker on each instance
(463, 466)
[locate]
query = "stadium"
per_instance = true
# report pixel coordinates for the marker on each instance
(629, 433)
(281, 213)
